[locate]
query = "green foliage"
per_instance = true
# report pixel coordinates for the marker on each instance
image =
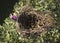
(8, 33)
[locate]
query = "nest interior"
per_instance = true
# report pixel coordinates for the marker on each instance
(31, 21)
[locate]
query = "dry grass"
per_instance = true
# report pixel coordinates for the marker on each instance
(32, 22)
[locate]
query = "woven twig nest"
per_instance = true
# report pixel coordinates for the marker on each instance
(31, 21)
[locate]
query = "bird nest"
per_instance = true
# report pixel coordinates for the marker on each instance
(30, 21)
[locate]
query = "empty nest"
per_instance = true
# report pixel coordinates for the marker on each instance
(32, 22)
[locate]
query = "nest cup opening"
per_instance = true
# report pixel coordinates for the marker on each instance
(28, 20)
